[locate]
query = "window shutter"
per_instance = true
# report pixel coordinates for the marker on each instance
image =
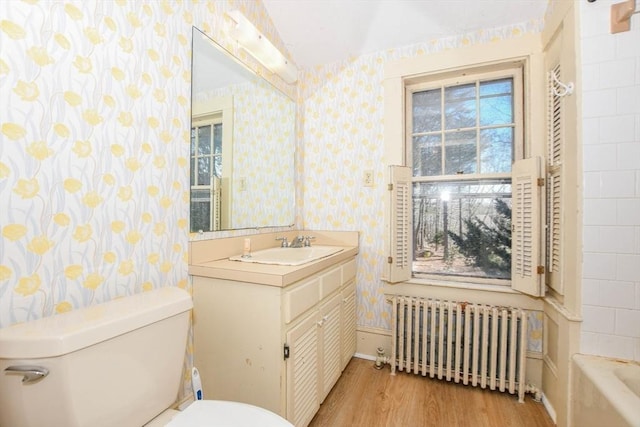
(399, 262)
(527, 272)
(555, 151)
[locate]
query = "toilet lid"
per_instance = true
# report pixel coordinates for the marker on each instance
(219, 413)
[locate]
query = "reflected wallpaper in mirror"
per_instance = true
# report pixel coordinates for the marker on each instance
(242, 145)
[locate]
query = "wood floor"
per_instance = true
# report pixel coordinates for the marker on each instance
(368, 397)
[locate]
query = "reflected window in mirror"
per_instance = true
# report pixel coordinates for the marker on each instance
(243, 175)
(206, 173)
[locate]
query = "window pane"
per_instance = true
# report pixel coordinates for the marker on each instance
(217, 139)
(496, 150)
(427, 116)
(217, 164)
(427, 155)
(460, 152)
(204, 140)
(193, 141)
(200, 210)
(460, 106)
(204, 170)
(496, 102)
(192, 169)
(463, 228)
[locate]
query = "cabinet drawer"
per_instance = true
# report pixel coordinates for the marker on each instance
(349, 271)
(300, 299)
(330, 282)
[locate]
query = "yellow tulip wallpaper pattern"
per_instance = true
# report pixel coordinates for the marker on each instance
(94, 154)
(342, 124)
(94, 134)
(94, 146)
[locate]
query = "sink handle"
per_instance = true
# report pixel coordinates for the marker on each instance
(31, 373)
(308, 239)
(285, 243)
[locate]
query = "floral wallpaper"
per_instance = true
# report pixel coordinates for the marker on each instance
(343, 112)
(94, 146)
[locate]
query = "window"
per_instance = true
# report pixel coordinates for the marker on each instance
(206, 172)
(463, 133)
(471, 127)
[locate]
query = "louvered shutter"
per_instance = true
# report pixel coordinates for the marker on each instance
(555, 152)
(526, 249)
(400, 258)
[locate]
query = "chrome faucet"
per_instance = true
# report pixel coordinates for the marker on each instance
(284, 243)
(297, 242)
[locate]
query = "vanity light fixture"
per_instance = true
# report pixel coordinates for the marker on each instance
(254, 42)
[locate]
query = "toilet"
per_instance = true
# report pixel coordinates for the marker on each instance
(114, 364)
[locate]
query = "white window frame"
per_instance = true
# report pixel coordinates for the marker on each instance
(461, 77)
(398, 74)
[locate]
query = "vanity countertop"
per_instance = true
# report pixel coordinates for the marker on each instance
(273, 275)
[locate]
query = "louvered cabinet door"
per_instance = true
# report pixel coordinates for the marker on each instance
(302, 371)
(348, 322)
(330, 355)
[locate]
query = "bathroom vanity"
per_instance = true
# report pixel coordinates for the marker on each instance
(275, 336)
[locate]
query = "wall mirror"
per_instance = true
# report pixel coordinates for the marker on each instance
(242, 144)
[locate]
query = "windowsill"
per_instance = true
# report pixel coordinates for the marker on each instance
(490, 294)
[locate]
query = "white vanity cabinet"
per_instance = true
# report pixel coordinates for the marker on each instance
(278, 347)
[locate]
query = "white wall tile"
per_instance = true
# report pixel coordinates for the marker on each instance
(627, 211)
(591, 77)
(598, 49)
(618, 184)
(606, 185)
(617, 128)
(628, 267)
(598, 103)
(618, 73)
(592, 182)
(616, 239)
(628, 155)
(616, 346)
(617, 294)
(598, 319)
(591, 238)
(628, 99)
(627, 323)
(599, 266)
(627, 43)
(599, 157)
(591, 131)
(600, 212)
(589, 342)
(594, 19)
(591, 292)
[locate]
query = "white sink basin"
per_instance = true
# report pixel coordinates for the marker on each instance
(288, 256)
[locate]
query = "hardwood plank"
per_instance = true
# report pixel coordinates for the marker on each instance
(365, 396)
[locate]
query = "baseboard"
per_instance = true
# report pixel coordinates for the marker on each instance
(549, 408)
(364, 356)
(368, 340)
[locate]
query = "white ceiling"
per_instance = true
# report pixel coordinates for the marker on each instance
(325, 31)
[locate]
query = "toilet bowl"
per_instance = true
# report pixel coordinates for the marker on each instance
(208, 413)
(118, 363)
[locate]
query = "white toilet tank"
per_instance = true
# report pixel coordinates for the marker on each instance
(112, 364)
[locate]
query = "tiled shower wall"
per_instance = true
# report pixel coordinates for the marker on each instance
(611, 168)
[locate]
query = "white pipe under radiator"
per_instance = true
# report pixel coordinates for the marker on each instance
(478, 345)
